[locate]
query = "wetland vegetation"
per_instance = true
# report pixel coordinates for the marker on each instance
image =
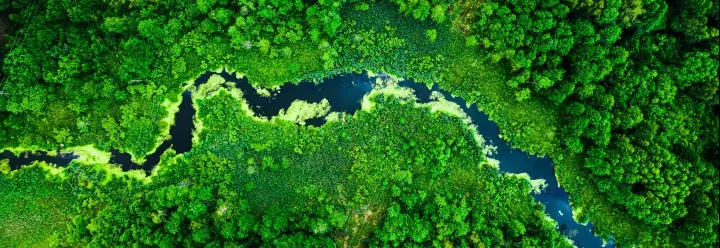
(622, 95)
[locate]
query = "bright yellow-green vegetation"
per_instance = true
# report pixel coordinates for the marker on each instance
(90, 155)
(300, 111)
(621, 95)
(5, 166)
(252, 182)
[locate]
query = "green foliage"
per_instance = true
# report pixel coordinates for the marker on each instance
(431, 34)
(34, 205)
(348, 179)
(105, 50)
(637, 99)
(622, 94)
(617, 81)
(471, 41)
(5, 166)
(422, 9)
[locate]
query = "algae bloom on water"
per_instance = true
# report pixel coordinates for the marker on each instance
(300, 111)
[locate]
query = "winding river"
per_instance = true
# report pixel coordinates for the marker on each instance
(344, 93)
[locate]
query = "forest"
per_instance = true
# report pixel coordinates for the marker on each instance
(251, 183)
(621, 95)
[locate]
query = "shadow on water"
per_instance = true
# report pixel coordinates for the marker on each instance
(345, 93)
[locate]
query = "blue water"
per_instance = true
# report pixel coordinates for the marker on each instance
(513, 160)
(344, 93)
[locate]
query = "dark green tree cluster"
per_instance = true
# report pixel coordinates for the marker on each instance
(625, 89)
(635, 83)
(99, 72)
(428, 191)
(194, 203)
(456, 211)
(439, 190)
(638, 83)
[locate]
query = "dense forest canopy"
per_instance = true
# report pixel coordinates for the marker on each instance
(621, 94)
(251, 182)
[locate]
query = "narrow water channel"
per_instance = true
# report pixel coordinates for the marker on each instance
(513, 160)
(180, 139)
(345, 93)
(26, 158)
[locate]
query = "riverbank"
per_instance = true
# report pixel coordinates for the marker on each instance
(102, 75)
(345, 93)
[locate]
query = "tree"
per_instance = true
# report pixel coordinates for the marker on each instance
(431, 34)
(523, 94)
(471, 41)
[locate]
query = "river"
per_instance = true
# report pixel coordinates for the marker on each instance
(344, 93)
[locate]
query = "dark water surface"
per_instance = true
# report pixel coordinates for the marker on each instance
(181, 134)
(27, 158)
(345, 93)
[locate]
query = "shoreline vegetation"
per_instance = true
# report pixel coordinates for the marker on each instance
(622, 96)
(271, 159)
